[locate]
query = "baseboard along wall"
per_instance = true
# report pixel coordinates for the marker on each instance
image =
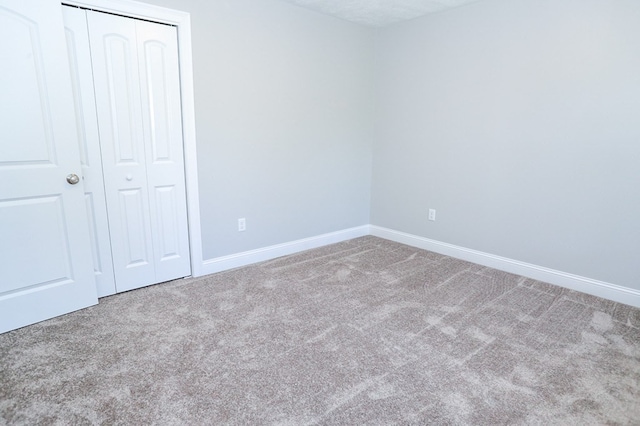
(224, 263)
(602, 289)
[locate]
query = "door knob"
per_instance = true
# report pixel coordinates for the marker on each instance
(73, 179)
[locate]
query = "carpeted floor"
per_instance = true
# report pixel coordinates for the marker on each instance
(362, 332)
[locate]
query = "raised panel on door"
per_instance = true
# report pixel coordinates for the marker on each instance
(45, 261)
(39, 239)
(79, 52)
(118, 104)
(162, 119)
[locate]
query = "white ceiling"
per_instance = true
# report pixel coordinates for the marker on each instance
(378, 13)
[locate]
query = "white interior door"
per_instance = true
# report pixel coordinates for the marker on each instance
(75, 23)
(137, 90)
(45, 260)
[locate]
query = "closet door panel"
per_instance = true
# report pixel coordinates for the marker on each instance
(168, 223)
(117, 90)
(162, 119)
(75, 21)
(133, 209)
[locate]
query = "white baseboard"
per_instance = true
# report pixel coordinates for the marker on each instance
(602, 289)
(237, 260)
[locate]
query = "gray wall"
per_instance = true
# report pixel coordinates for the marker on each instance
(283, 101)
(519, 121)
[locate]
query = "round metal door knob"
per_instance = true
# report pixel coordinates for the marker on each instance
(73, 179)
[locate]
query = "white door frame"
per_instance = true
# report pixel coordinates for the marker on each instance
(182, 20)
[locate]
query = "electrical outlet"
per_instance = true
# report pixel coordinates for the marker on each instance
(242, 224)
(432, 215)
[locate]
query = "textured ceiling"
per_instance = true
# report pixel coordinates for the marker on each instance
(378, 13)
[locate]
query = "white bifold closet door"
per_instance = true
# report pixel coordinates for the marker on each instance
(132, 128)
(78, 49)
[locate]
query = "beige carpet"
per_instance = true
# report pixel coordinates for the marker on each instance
(362, 332)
